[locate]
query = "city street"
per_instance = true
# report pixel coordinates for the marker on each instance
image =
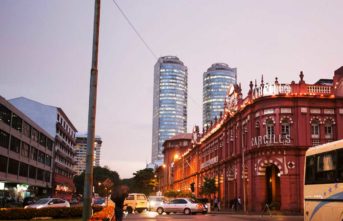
(150, 216)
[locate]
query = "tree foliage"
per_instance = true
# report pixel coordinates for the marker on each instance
(100, 174)
(173, 194)
(208, 187)
(144, 181)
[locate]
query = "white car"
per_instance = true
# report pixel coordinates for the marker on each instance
(48, 203)
(181, 205)
(155, 202)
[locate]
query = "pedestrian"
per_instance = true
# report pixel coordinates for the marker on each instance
(239, 202)
(118, 197)
(215, 203)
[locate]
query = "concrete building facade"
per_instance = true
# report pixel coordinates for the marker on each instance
(81, 152)
(26, 155)
(58, 125)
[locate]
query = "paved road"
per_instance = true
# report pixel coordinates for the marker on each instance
(151, 216)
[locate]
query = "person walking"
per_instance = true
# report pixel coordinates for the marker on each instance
(215, 203)
(118, 197)
(239, 202)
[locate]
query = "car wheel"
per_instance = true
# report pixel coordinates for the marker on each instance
(187, 211)
(139, 210)
(160, 210)
(129, 210)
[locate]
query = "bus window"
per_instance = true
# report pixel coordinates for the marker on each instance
(326, 167)
(310, 170)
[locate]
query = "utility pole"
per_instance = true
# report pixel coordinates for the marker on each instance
(87, 194)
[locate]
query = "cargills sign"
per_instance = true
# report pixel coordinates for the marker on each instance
(270, 140)
(209, 162)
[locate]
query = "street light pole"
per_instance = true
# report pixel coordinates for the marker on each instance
(243, 172)
(87, 194)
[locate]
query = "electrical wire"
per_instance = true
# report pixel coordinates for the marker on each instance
(143, 41)
(135, 30)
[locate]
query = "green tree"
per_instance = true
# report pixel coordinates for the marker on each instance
(144, 181)
(170, 194)
(100, 174)
(209, 187)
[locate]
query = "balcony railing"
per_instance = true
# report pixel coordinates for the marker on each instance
(318, 89)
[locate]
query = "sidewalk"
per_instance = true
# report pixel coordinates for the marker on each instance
(241, 212)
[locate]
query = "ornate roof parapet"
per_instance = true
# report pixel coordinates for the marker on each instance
(196, 135)
(234, 101)
(301, 75)
(251, 88)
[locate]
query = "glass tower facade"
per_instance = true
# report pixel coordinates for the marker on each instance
(170, 103)
(216, 81)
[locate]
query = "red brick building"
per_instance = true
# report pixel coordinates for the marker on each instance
(267, 134)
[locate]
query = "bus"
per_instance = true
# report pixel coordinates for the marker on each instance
(323, 190)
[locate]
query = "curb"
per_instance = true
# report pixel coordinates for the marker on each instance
(254, 214)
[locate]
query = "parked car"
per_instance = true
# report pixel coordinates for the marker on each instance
(155, 202)
(136, 202)
(49, 202)
(28, 201)
(74, 201)
(99, 201)
(181, 205)
(204, 202)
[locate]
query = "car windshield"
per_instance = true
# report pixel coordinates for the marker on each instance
(99, 200)
(192, 200)
(43, 201)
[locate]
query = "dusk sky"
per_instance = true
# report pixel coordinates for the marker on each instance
(45, 55)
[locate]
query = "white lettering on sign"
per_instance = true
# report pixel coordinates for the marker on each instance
(329, 111)
(315, 111)
(270, 140)
(268, 111)
(286, 110)
(209, 162)
(303, 110)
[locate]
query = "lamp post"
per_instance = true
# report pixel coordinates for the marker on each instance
(243, 170)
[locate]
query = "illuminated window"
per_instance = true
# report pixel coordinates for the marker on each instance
(328, 129)
(270, 128)
(315, 133)
(257, 128)
(285, 128)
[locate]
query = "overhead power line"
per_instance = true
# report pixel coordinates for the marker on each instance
(143, 41)
(135, 30)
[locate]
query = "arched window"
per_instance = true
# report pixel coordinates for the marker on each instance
(257, 128)
(285, 128)
(315, 131)
(270, 128)
(328, 129)
(245, 135)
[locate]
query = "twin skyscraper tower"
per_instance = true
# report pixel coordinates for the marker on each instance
(170, 99)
